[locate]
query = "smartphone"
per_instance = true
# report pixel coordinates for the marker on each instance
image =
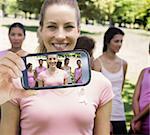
(56, 70)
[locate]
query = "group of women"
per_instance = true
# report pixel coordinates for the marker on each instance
(94, 109)
(52, 75)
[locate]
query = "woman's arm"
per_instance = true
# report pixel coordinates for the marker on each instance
(135, 102)
(10, 117)
(136, 121)
(142, 113)
(102, 120)
(125, 66)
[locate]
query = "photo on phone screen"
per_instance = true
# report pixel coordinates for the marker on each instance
(56, 70)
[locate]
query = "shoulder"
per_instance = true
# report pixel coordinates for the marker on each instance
(124, 64)
(144, 70)
(97, 60)
(97, 63)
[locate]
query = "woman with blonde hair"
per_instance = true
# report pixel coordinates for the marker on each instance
(67, 111)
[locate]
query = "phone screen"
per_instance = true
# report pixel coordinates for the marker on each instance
(56, 70)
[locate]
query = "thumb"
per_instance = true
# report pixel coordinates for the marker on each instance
(22, 53)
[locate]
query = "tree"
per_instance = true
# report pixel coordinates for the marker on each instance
(89, 10)
(3, 7)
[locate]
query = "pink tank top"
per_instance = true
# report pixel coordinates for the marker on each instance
(145, 99)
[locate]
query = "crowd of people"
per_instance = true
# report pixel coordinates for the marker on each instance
(53, 74)
(94, 109)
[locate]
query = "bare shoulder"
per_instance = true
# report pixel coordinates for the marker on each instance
(125, 64)
(97, 64)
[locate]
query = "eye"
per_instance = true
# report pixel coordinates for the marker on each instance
(69, 27)
(51, 27)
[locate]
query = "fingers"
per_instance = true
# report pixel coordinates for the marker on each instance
(5, 70)
(22, 53)
(12, 64)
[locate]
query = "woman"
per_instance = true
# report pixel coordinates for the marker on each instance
(78, 72)
(141, 104)
(31, 75)
(16, 34)
(40, 68)
(69, 111)
(88, 44)
(114, 68)
(67, 68)
(52, 76)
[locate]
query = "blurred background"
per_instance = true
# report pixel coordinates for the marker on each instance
(132, 16)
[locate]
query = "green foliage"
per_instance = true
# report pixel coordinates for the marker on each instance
(127, 98)
(114, 11)
(89, 10)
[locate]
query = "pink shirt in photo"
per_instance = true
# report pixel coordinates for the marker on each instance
(55, 79)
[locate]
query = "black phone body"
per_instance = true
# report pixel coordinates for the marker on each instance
(73, 56)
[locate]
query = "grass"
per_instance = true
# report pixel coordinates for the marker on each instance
(127, 98)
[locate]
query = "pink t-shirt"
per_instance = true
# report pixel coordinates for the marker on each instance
(31, 79)
(77, 73)
(40, 69)
(55, 79)
(145, 99)
(53, 112)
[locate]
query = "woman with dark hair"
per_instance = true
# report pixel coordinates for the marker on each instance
(114, 68)
(31, 75)
(16, 34)
(67, 68)
(88, 44)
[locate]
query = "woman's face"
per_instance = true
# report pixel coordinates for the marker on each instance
(79, 63)
(52, 60)
(115, 43)
(16, 37)
(40, 62)
(60, 30)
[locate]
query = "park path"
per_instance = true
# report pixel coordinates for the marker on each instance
(134, 49)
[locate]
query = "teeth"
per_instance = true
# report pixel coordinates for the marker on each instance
(60, 45)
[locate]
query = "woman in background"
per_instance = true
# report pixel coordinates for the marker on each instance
(67, 68)
(140, 123)
(31, 75)
(78, 72)
(114, 68)
(16, 34)
(88, 44)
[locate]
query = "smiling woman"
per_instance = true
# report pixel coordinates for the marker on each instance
(52, 76)
(69, 111)
(57, 33)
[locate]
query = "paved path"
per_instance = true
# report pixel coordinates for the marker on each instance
(134, 49)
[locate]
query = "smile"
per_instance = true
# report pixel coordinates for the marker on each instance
(60, 47)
